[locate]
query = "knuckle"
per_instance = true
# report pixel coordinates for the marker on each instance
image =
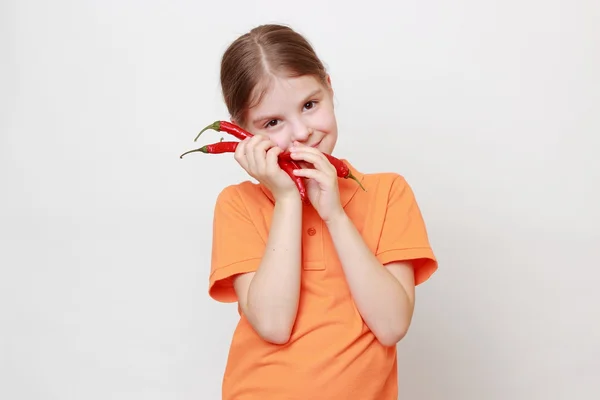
(274, 150)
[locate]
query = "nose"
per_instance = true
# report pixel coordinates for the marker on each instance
(302, 132)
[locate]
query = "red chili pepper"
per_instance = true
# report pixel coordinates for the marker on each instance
(287, 165)
(228, 127)
(343, 171)
(215, 148)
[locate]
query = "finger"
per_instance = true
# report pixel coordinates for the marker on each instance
(301, 148)
(240, 154)
(272, 159)
(260, 154)
(250, 153)
(319, 161)
(319, 176)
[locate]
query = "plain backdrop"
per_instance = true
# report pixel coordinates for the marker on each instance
(490, 110)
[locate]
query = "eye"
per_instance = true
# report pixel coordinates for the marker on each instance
(309, 105)
(271, 123)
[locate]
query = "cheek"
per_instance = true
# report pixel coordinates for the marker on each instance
(326, 121)
(281, 141)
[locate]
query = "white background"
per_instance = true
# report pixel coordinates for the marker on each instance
(490, 109)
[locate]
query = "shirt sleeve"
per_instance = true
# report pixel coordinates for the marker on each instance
(404, 235)
(237, 247)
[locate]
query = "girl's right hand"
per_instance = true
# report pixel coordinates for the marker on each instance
(258, 155)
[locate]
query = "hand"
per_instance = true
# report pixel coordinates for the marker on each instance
(321, 181)
(258, 155)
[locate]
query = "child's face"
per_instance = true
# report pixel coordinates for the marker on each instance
(296, 109)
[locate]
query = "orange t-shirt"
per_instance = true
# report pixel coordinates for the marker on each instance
(331, 353)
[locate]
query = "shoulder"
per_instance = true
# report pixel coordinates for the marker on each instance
(385, 184)
(385, 177)
(239, 195)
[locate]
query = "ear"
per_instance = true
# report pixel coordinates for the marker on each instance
(329, 86)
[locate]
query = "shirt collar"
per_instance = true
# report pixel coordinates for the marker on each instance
(347, 186)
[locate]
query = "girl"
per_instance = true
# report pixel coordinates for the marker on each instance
(326, 290)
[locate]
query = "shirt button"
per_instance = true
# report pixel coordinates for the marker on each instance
(312, 231)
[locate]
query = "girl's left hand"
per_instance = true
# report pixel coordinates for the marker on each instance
(321, 181)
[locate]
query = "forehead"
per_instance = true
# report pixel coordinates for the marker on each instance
(279, 92)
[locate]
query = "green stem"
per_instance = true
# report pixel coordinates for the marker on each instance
(356, 179)
(214, 126)
(201, 149)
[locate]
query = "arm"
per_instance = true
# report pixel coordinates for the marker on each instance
(269, 297)
(384, 296)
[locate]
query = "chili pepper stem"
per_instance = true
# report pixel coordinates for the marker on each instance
(214, 126)
(202, 149)
(356, 179)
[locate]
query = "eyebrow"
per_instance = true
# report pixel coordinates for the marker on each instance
(313, 94)
(307, 98)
